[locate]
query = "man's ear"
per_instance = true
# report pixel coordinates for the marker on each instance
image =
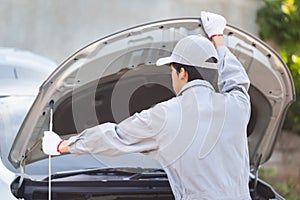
(183, 74)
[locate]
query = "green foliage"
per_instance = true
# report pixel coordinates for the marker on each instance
(279, 21)
(287, 187)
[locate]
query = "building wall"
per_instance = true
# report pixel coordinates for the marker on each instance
(58, 28)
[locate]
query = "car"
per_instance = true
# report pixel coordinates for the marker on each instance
(116, 76)
(21, 74)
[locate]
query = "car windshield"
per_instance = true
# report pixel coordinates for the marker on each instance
(14, 110)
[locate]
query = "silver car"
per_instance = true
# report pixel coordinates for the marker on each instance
(113, 78)
(21, 74)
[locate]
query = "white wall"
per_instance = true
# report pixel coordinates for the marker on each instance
(58, 28)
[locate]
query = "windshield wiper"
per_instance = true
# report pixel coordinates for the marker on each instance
(129, 173)
(148, 175)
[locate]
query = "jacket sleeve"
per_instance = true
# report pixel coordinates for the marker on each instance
(232, 75)
(135, 134)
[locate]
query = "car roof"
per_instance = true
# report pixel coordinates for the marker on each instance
(22, 71)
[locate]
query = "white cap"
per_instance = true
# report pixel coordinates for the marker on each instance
(193, 50)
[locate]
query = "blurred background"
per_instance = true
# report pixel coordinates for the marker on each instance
(56, 29)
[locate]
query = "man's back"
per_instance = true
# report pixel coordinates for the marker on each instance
(205, 149)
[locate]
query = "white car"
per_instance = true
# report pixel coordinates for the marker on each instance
(116, 76)
(21, 74)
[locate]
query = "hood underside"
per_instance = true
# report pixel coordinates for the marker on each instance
(116, 76)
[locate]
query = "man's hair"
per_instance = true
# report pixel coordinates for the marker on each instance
(192, 71)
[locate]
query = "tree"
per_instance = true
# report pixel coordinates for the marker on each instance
(279, 21)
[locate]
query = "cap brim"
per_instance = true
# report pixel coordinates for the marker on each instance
(163, 61)
(169, 60)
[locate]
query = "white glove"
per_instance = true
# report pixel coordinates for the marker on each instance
(50, 143)
(213, 24)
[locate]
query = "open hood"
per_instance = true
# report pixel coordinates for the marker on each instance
(116, 76)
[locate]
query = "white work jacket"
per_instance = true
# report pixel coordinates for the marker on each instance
(199, 136)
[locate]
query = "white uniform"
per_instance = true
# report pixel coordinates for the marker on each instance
(199, 136)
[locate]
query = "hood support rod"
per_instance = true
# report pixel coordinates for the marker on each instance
(51, 105)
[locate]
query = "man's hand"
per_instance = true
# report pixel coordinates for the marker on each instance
(51, 142)
(213, 24)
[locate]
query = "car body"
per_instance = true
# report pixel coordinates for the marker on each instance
(114, 77)
(21, 74)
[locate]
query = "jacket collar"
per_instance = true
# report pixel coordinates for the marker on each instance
(195, 83)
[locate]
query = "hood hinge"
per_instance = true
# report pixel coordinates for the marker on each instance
(255, 173)
(17, 186)
(22, 167)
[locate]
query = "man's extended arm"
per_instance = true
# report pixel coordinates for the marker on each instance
(132, 135)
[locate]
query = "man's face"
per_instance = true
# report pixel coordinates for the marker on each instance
(178, 79)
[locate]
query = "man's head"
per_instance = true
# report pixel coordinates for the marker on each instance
(190, 54)
(181, 74)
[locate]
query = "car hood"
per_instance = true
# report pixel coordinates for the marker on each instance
(114, 77)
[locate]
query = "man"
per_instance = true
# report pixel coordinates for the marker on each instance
(199, 136)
